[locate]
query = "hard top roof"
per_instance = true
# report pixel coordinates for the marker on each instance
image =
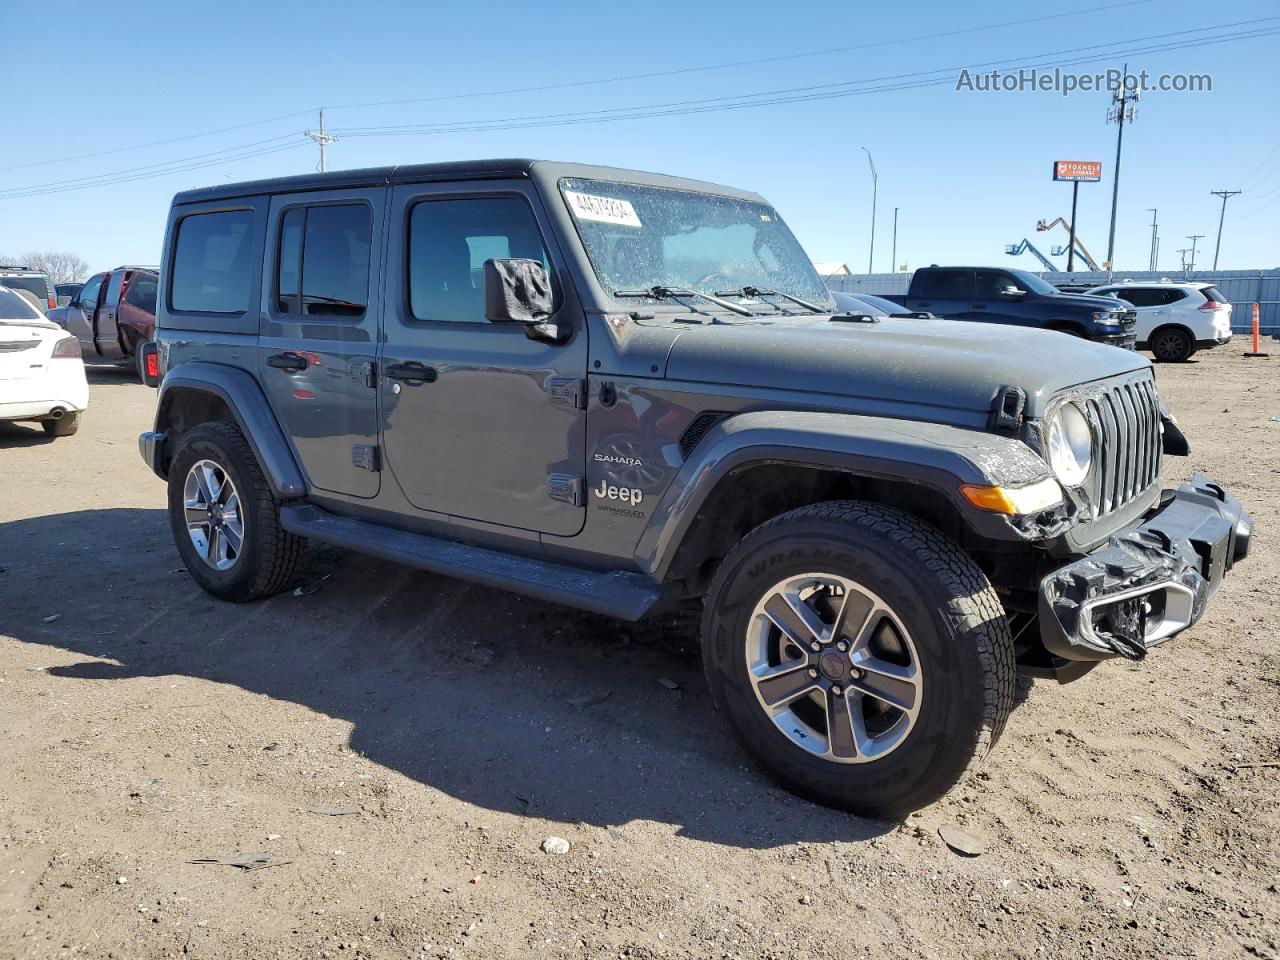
(454, 170)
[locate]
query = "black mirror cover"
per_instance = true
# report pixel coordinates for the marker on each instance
(516, 291)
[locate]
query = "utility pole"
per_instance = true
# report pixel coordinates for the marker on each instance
(1193, 237)
(1225, 195)
(322, 138)
(1182, 252)
(893, 267)
(1154, 240)
(1123, 107)
(875, 186)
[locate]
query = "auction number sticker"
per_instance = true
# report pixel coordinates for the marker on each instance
(588, 206)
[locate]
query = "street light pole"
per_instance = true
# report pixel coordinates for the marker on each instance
(875, 187)
(893, 267)
(1225, 195)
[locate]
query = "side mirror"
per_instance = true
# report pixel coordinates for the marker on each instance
(519, 291)
(1012, 293)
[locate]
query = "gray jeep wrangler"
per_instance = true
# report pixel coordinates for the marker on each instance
(621, 392)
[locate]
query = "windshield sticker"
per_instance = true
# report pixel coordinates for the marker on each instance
(587, 206)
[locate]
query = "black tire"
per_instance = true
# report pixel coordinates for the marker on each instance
(66, 426)
(1070, 329)
(956, 623)
(268, 555)
(1171, 345)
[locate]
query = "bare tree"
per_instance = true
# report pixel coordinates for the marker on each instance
(62, 267)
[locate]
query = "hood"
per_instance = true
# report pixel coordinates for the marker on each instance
(939, 363)
(1087, 301)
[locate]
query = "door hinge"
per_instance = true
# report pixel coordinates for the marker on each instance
(366, 457)
(568, 391)
(364, 372)
(566, 488)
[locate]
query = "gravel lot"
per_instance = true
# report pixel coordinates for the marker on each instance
(144, 726)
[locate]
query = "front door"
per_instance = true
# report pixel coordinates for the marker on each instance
(105, 334)
(477, 416)
(80, 314)
(989, 306)
(317, 347)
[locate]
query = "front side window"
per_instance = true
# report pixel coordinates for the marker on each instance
(449, 242)
(211, 262)
(990, 283)
(89, 292)
(322, 269)
(639, 237)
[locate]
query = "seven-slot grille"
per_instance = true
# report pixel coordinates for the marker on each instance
(1126, 422)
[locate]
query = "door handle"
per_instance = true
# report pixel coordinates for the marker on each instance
(287, 361)
(411, 372)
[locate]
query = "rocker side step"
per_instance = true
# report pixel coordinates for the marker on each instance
(614, 593)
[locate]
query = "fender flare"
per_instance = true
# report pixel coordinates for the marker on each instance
(248, 404)
(937, 456)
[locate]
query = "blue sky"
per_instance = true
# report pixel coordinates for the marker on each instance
(970, 172)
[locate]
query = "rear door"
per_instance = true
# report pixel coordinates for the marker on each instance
(478, 417)
(946, 292)
(105, 335)
(81, 312)
(317, 349)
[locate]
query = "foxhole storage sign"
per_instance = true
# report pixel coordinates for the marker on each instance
(1079, 171)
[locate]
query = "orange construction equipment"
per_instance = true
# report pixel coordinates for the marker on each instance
(1255, 352)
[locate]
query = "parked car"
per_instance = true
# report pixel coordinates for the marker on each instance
(877, 306)
(66, 292)
(41, 373)
(1016, 297)
(23, 278)
(113, 313)
(624, 391)
(1174, 319)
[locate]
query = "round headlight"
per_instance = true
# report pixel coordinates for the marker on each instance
(1070, 445)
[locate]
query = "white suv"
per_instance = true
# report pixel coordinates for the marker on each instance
(1174, 319)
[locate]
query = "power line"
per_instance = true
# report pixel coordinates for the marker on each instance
(597, 81)
(793, 94)
(756, 61)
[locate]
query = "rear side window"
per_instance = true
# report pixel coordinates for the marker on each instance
(113, 287)
(322, 269)
(449, 242)
(37, 285)
(211, 262)
(948, 284)
(141, 292)
(1211, 293)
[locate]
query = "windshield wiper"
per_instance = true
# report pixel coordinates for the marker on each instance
(757, 292)
(672, 293)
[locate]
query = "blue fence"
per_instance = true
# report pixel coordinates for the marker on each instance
(1243, 288)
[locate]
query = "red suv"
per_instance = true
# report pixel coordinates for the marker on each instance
(113, 314)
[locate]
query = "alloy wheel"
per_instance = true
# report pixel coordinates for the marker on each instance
(833, 668)
(212, 510)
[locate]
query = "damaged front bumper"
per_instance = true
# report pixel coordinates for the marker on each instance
(1149, 582)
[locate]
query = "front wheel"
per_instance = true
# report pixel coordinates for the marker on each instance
(225, 521)
(859, 655)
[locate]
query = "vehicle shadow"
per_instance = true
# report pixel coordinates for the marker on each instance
(111, 375)
(502, 701)
(25, 434)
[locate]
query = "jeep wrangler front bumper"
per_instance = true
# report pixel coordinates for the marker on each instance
(1149, 582)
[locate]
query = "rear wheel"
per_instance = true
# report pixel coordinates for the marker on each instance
(225, 520)
(1172, 345)
(64, 426)
(859, 655)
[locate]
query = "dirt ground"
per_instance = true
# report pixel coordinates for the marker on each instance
(144, 725)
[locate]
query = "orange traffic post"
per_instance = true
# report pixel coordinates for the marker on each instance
(1255, 352)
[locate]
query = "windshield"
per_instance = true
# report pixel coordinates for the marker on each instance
(1035, 284)
(640, 237)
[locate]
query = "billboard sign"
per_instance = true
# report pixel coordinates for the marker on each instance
(1086, 171)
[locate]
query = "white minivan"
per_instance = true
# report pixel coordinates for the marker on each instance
(1174, 319)
(41, 372)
